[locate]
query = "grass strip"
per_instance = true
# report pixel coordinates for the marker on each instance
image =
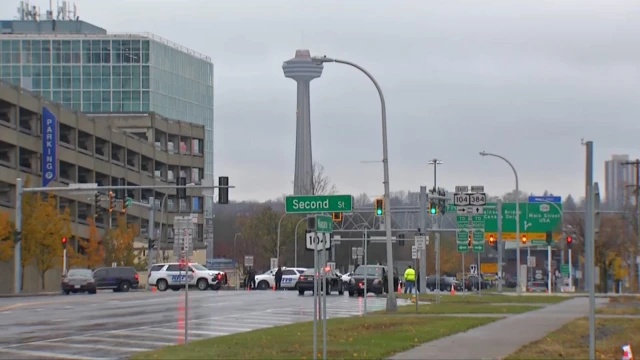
(462, 308)
(490, 298)
(572, 341)
(370, 337)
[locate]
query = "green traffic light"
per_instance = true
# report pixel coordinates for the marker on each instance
(379, 211)
(433, 210)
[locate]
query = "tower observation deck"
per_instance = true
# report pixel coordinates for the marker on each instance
(303, 70)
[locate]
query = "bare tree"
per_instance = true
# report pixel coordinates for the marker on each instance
(362, 200)
(320, 182)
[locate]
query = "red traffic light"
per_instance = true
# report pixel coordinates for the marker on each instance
(569, 239)
(64, 240)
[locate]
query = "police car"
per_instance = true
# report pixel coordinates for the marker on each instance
(289, 278)
(173, 276)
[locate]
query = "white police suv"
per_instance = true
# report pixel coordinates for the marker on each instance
(289, 278)
(173, 276)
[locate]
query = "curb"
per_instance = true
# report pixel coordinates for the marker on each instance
(30, 295)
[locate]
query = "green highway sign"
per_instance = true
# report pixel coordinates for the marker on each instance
(462, 236)
(318, 203)
(478, 248)
(477, 236)
(462, 222)
(538, 242)
(535, 217)
(463, 248)
(478, 222)
(564, 269)
(324, 223)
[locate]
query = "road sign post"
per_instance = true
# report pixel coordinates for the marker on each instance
(300, 204)
(470, 220)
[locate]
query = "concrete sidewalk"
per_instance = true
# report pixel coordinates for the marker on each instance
(503, 337)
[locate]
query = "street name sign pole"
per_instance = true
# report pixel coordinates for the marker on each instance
(319, 238)
(470, 221)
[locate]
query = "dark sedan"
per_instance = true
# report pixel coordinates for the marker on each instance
(376, 276)
(78, 280)
(334, 282)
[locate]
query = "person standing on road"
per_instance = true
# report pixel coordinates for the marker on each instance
(409, 279)
(278, 278)
(251, 276)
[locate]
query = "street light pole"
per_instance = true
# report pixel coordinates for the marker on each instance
(392, 305)
(278, 249)
(435, 162)
(235, 237)
(515, 173)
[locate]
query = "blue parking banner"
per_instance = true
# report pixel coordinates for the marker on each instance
(49, 146)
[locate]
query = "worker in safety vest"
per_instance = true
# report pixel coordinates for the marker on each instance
(409, 280)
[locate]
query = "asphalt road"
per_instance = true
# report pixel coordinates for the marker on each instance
(116, 325)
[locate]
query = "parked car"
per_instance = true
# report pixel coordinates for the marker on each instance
(290, 277)
(78, 280)
(376, 280)
(445, 283)
(118, 279)
(537, 286)
(333, 283)
(174, 276)
(473, 282)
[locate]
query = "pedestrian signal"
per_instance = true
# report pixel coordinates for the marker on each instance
(379, 205)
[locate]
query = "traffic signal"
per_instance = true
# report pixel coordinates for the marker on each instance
(492, 240)
(469, 241)
(17, 236)
(223, 192)
(112, 201)
(182, 192)
(523, 238)
(433, 208)
(151, 244)
(442, 203)
(379, 205)
(549, 238)
(400, 239)
(337, 216)
(120, 193)
(126, 202)
(63, 241)
(569, 241)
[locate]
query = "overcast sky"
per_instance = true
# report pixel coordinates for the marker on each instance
(525, 79)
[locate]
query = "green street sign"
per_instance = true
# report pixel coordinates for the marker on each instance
(535, 217)
(463, 248)
(477, 221)
(538, 242)
(324, 223)
(477, 236)
(127, 202)
(564, 269)
(318, 203)
(478, 248)
(462, 236)
(462, 222)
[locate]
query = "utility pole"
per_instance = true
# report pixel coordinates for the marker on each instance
(636, 189)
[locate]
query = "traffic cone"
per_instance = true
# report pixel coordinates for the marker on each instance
(626, 352)
(274, 287)
(453, 291)
(399, 289)
(153, 289)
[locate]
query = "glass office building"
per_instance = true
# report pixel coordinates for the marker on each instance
(89, 70)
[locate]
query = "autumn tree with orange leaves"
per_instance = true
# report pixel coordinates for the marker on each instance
(6, 236)
(92, 251)
(119, 243)
(43, 226)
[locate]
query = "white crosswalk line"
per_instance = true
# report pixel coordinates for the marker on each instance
(127, 341)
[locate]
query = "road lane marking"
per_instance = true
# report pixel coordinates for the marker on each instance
(88, 346)
(46, 355)
(153, 335)
(126, 341)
